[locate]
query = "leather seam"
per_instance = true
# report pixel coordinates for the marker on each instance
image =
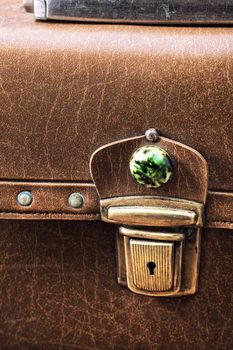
(88, 214)
(218, 221)
(52, 213)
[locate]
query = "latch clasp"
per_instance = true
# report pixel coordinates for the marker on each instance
(158, 247)
(155, 190)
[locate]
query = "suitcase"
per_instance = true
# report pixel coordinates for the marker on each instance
(80, 227)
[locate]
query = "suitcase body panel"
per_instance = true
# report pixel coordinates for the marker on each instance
(110, 82)
(59, 291)
(65, 90)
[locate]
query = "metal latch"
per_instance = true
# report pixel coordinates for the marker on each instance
(155, 190)
(158, 246)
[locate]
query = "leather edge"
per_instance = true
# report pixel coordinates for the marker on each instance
(51, 203)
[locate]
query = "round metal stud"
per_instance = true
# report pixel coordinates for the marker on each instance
(152, 135)
(25, 198)
(151, 166)
(76, 200)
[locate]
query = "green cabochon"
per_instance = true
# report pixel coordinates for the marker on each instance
(151, 166)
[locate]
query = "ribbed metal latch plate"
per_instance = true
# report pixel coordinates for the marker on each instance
(152, 265)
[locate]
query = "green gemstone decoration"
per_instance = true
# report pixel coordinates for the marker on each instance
(151, 166)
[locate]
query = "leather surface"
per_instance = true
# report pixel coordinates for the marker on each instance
(51, 202)
(58, 291)
(219, 210)
(67, 89)
(111, 174)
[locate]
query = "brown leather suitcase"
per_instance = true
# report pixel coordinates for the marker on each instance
(75, 103)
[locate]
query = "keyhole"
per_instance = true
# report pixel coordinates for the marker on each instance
(151, 266)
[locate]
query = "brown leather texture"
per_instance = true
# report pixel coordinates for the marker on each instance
(219, 210)
(50, 202)
(59, 291)
(67, 89)
(111, 163)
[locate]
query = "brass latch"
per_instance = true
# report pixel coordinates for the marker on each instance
(158, 247)
(155, 190)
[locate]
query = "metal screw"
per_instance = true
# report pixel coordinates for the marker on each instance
(152, 135)
(76, 200)
(25, 198)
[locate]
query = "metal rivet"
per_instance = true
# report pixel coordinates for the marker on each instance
(152, 135)
(25, 198)
(76, 200)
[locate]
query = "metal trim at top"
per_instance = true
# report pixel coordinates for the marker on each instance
(128, 11)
